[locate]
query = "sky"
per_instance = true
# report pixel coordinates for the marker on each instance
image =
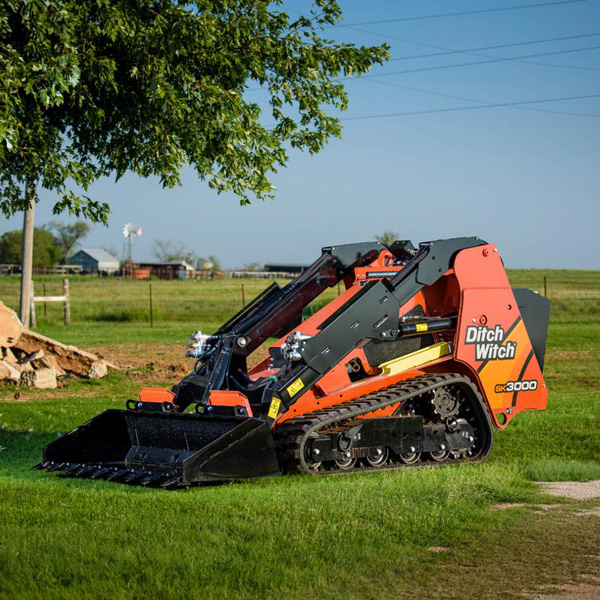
(421, 153)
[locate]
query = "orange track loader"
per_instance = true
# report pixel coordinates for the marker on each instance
(424, 354)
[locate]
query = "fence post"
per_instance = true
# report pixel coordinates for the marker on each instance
(243, 296)
(67, 302)
(45, 304)
(151, 313)
(32, 322)
(545, 289)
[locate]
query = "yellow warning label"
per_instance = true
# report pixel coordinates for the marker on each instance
(274, 408)
(421, 326)
(293, 389)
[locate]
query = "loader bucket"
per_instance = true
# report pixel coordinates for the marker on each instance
(161, 449)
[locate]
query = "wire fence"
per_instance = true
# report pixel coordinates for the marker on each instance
(575, 296)
(113, 300)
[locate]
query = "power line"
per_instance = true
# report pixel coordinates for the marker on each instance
(461, 108)
(469, 64)
(497, 47)
(481, 62)
(452, 50)
(483, 102)
(457, 14)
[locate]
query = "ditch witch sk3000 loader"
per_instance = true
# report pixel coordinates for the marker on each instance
(426, 351)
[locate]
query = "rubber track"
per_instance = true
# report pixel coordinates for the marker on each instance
(291, 435)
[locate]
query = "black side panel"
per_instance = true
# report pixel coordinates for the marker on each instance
(441, 257)
(380, 351)
(244, 452)
(535, 310)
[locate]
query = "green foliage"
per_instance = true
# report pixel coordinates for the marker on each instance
(67, 235)
(91, 88)
(167, 251)
(562, 470)
(215, 262)
(387, 238)
(252, 267)
(45, 252)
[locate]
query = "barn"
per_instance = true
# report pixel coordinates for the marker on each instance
(95, 260)
(292, 269)
(175, 269)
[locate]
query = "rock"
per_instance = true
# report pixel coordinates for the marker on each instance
(10, 358)
(49, 362)
(38, 360)
(10, 326)
(28, 358)
(25, 367)
(68, 358)
(98, 370)
(42, 379)
(9, 372)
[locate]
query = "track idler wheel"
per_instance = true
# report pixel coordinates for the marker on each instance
(378, 457)
(439, 455)
(311, 461)
(345, 463)
(410, 458)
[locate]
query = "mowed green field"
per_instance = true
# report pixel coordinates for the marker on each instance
(426, 533)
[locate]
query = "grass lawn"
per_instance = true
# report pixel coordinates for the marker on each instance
(426, 533)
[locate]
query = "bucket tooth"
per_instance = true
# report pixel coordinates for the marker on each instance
(85, 471)
(134, 477)
(118, 475)
(64, 468)
(72, 468)
(101, 473)
(173, 481)
(56, 467)
(153, 480)
(39, 467)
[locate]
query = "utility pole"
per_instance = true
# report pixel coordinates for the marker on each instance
(27, 261)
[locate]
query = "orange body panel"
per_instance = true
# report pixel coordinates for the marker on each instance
(227, 398)
(492, 340)
(156, 395)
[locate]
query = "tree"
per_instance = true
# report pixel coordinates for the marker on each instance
(111, 250)
(68, 235)
(253, 266)
(167, 251)
(45, 252)
(215, 262)
(387, 238)
(212, 260)
(91, 88)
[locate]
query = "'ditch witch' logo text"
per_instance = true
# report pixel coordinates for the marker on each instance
(488, 343)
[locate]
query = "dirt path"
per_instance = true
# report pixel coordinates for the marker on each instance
(589, 587)
(585, 490)
(163, 362)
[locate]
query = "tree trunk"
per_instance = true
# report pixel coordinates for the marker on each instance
(27, 260)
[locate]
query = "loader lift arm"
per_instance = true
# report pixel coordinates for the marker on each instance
(370, 314)
(271, 314)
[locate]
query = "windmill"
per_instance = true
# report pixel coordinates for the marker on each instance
(129, 232)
